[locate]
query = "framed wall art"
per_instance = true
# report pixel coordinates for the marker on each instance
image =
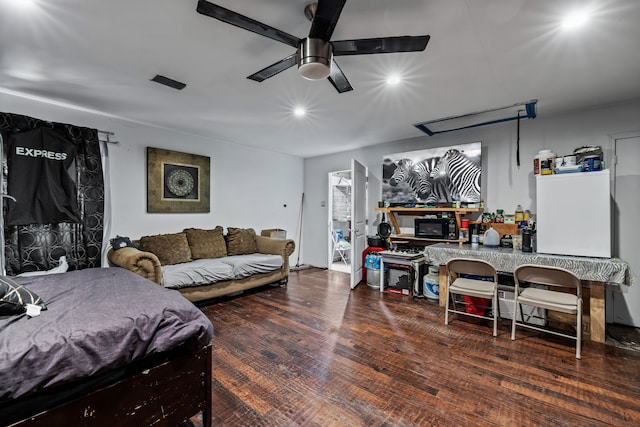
(433, 175)
(177, 182)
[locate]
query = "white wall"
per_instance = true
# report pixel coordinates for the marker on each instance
(249, 187)
(504, 185)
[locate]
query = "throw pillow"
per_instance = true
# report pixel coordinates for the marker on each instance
(206, 243)
(169, 248)
(15, 297)
(241, 241)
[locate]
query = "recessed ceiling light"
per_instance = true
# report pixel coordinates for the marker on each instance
(299, 112)
(393, 79)
(575, 19)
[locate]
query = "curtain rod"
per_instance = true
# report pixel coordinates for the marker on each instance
(107, 134)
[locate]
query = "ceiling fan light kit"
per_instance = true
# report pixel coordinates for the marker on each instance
(314, 54)
(314, 59)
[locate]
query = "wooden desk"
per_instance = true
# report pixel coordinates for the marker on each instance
(597, 272)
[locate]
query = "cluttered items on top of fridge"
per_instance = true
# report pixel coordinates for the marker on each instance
(588, 158)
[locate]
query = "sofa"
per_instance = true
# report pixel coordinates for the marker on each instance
(205, 263)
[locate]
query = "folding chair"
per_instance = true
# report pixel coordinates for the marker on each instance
(341, 246)
(554, 280)
(472, 287)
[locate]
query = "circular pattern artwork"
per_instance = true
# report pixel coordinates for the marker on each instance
(177, 182)
(180, 182)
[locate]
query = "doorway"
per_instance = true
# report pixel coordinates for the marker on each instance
(339, 221)
(626, 304)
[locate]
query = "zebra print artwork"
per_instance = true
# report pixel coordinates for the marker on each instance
(426, 176)
(463, 175)
(425, 188)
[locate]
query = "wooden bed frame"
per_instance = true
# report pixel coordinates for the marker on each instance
(165, 394)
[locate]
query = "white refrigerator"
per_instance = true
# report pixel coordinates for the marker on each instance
(574, 214)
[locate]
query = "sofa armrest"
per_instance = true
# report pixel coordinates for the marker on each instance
(142, 263)
(267, 245)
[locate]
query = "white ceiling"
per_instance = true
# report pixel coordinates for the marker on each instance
(483, 54)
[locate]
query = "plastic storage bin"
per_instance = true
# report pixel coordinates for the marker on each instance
(532, 315)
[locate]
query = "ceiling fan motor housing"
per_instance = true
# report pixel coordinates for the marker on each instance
(314, 58)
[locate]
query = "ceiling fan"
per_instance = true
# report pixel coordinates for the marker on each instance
(314, 53)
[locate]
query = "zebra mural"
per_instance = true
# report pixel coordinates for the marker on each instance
(407, 176)
(463, 175)
(418, 176)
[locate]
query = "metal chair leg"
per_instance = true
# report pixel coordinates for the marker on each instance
(446, 308)
(495, 315)
(513, 320)
(579, 330)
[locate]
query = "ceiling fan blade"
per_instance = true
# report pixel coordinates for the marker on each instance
(246, 23)
(326, 18)
(338, 79)
(274, 69)
(380, 45)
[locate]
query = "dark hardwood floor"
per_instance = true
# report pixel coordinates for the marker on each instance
(315, 353)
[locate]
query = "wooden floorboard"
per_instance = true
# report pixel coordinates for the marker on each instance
(315, 353)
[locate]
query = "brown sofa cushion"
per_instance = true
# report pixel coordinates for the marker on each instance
(169, 248)
(206, 243)
(241, 241)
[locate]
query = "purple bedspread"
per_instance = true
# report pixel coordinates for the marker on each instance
(96, 320)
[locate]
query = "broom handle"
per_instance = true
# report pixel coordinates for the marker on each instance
(300, 230)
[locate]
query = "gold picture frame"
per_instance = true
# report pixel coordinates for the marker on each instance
(177, 182)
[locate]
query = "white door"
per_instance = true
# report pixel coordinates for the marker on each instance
(626, 305)
(358, 219)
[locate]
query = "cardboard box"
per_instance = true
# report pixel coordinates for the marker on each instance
(275, 233)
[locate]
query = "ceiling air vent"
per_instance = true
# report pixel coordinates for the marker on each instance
(168, 82)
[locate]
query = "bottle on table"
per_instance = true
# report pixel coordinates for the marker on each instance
(519, 214)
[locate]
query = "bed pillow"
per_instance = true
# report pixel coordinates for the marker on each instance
(169, 248)
(15, 297)
(241, 241)
(206, 244)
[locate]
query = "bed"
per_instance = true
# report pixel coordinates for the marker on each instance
(112, 348)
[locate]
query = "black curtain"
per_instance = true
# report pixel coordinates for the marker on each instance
(38, 247)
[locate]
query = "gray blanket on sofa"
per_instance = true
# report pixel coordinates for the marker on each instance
(212, 270)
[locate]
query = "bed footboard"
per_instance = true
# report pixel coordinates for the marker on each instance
(166, 394)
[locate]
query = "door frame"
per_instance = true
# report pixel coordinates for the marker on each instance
(330, 176)
(613, 141)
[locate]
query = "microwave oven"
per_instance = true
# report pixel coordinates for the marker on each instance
(436, 228)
